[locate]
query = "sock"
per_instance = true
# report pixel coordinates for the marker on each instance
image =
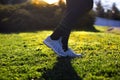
(57, 33)
(65, 39)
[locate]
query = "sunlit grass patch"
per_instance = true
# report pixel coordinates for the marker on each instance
(23, 56)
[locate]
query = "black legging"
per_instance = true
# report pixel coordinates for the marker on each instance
(75, 10)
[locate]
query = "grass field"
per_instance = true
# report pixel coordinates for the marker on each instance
(23, 56)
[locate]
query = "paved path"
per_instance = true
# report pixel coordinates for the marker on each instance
(114, 30)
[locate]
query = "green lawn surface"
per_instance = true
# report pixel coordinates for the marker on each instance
(23, 56)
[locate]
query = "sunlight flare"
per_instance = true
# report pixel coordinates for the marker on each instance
(37, 2)
(51, 1)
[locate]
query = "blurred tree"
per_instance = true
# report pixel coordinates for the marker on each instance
(108, 14)
(115, 12)
(100, 9)
(3, 1)
(62, 5)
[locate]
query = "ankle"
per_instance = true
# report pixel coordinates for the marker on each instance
(54, 38)
(65, 48)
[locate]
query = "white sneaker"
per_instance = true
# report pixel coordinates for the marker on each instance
(55, 46)
(69, 52)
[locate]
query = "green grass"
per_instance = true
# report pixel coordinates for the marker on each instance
(23, 56)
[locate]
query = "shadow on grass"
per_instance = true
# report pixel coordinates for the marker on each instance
(62, 70)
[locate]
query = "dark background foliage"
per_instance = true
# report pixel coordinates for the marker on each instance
(43, 16)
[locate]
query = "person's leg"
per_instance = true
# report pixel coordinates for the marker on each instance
(75, 10)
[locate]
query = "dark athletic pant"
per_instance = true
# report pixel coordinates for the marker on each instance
(75, 10)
